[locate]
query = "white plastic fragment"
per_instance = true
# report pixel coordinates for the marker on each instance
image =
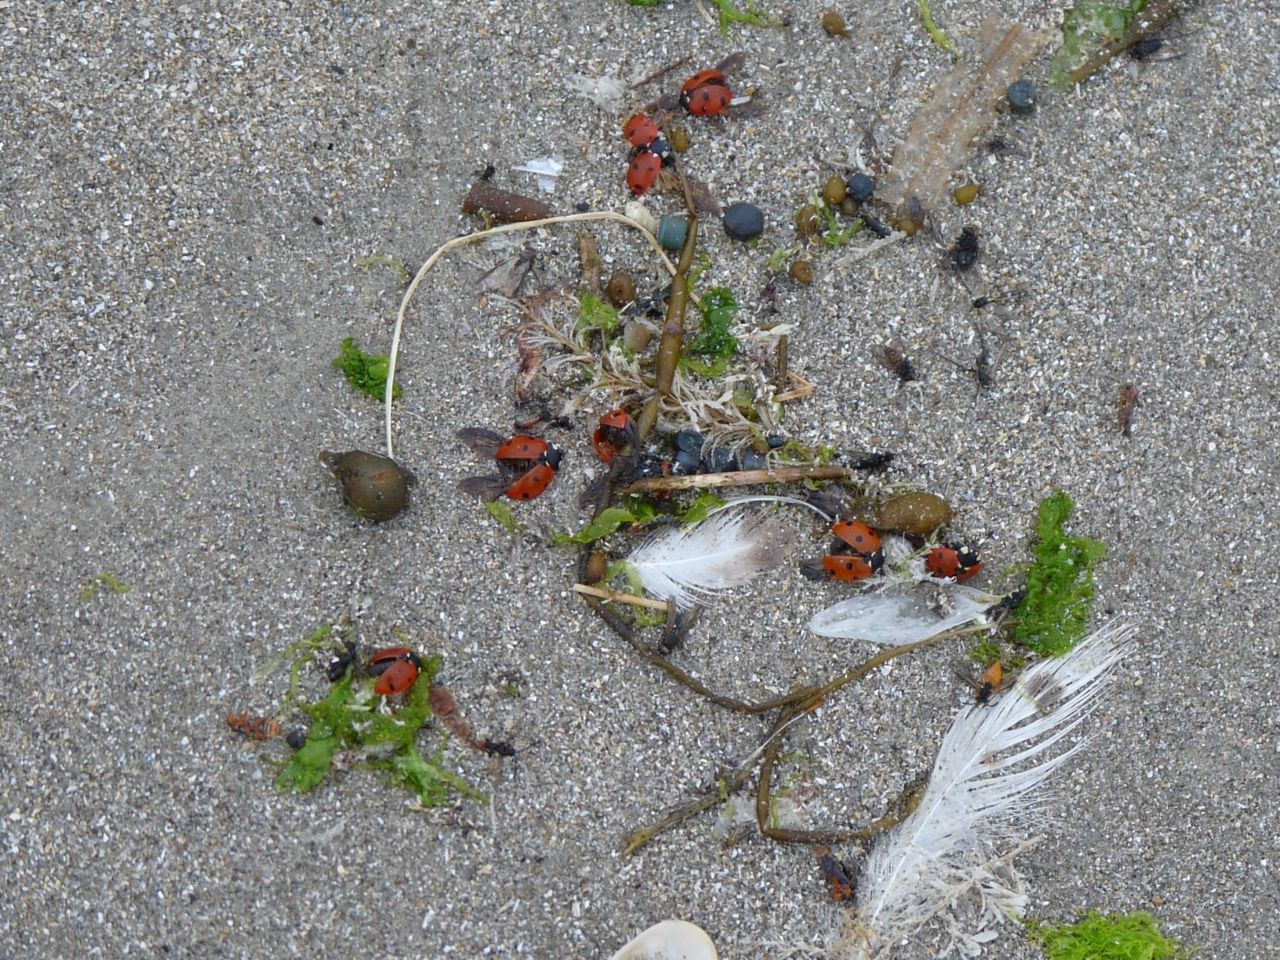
(605, 92)
(547, 169)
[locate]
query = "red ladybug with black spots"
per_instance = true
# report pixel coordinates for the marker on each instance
(396, 670)
(952, 560)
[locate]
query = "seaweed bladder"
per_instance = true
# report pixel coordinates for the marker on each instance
(962, 106)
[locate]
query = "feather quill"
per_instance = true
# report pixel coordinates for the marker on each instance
(691, 564)
(981, 796)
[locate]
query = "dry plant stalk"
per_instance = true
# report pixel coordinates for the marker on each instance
(627, 598)
(962, 107)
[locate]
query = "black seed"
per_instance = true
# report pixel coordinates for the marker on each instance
(861, 187)
(721, 460)
(689, 440)
(1022, 97)
(743, 221)
(753, 461)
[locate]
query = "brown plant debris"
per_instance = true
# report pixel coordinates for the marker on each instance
(962, 107)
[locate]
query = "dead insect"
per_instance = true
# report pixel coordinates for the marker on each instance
(987, 684)
(1151, 49)
(838, 875)
(256, 728)
(871, 461)
(341, 661)
(964, 252)
(897, 363)
(876, 225)
(983, 369)
(1125, 406)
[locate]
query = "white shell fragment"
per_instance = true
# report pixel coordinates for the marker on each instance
(902, 617)
(670, 940)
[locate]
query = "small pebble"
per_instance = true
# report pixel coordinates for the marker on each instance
(743, 221)
(754, 461)
(861, 187)
(774, 441)
(1022, 97)
(296, 738)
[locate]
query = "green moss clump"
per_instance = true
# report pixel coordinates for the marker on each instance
(367, 372)
(1052, 616)
(753, 16)
(1086, 28)
(1131, 936)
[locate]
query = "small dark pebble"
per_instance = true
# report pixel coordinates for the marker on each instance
(774, 441)
(754, 461)
(861, 187)
(582, 206)
(689, 440)
(1022, 97)
(743, 221)
(297, 738)
(721, 460)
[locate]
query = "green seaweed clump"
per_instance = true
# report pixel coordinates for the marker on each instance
(1051, 618)
(713, 344)
(1087, 27)
(367, 372)
(111, 582)
(753, 16)
(1131, 936)
(345, 720)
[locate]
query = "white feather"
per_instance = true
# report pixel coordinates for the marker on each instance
(981, 795)
(895, 618)
(690, 564)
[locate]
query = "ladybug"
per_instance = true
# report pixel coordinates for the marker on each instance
(522, 447)
(952, 560)
(852, 567)
(707, 101)
(702, 78)
(534, 481)
(616, 432)
(396, 669)
(858, 535)
(643, 171)
(640, 130)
